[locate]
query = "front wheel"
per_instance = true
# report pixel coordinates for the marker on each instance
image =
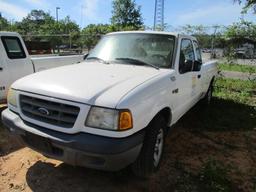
(151, 154)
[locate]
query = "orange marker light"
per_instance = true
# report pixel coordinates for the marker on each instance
(125, 120)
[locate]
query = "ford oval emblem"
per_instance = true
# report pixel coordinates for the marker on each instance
(43, 111)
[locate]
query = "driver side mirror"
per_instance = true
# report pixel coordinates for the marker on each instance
(197, 65)
(187, 66)
(86, 55)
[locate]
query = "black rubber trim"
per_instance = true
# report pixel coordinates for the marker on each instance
(3, 38)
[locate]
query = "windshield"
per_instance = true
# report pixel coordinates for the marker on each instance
(151, 49)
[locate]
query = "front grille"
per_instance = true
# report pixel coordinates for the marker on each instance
(54, 113)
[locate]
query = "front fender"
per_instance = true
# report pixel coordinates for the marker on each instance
(147, 100)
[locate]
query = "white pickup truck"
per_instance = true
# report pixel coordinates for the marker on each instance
(15, 61)
(113, 109)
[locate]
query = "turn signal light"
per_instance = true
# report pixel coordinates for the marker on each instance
(125, 120)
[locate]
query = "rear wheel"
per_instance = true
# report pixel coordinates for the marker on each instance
(206, 101)
(151, 154)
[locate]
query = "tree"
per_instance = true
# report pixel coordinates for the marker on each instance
(36, 22)
(194, 29)
(207, 36)
(237, 34)
(126, 13)
(41, 26)
(248, 4)
(200, 32)
(4, 24)
(92, 33)
(63, 32)
(242, 29)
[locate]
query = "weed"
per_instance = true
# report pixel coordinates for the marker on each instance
(213, 177)
(236, 67)
(239, 91)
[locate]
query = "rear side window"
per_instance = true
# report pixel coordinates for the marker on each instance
(198, 51)
(13, 47)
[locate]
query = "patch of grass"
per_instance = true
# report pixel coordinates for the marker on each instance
(237, 90)
(233, 108)
(213, 177)
(186, 182)
(221, 115)
(236, 67)
(235, 84)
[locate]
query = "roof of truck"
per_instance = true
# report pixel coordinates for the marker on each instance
(7, 33)
(155, 32)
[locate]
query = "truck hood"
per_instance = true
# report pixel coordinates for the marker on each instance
(88, 82)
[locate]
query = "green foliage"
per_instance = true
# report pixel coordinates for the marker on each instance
(126, 13)
(202, 33)
(236, 67)
(40, 26)
(194, 29)
(242, 29)
(37, 22)
(239, 91)
(4, 24)
(248, 4)
(214, 178)
(92, 33)
(235, 84)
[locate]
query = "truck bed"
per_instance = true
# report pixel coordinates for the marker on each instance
(43, 63)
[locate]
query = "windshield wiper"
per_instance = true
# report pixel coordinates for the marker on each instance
(136, 62)
(97, 58)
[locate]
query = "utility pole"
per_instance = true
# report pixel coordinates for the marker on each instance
(57, 20)
(213, 54)
(159, 15)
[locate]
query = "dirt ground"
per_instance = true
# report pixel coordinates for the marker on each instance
(198, 138)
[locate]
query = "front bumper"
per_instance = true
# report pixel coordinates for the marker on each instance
(81, 149)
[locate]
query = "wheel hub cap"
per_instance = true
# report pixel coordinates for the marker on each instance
(158, 147)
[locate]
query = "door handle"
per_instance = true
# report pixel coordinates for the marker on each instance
(198, 76)
(1, 69)
(175, 91)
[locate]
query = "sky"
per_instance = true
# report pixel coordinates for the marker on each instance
(177, 12)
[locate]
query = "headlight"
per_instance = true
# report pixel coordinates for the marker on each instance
(11, 97)
(111, 119)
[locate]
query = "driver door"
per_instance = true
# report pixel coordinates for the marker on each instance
(184, 77)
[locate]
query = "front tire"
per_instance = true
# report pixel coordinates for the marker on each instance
(151, 154)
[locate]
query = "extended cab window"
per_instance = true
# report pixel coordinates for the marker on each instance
(187, 56)
(198, 63)
(198, 52)
(13, 47)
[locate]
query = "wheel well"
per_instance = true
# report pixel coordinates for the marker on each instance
(213, 78)
(166, 113)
